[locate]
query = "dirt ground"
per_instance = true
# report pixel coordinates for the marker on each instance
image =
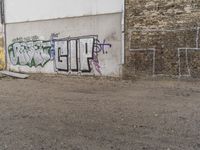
(83, 113)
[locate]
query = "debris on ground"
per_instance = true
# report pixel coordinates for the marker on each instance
(14, 74)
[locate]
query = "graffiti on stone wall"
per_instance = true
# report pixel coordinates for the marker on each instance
(71, 54)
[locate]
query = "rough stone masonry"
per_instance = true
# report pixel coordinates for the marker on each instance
(162, 37)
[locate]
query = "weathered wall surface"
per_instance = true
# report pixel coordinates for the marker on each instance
(80, 45)
(34, 10)
(162, 37)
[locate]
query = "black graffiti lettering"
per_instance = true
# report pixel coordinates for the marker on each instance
(77, 54)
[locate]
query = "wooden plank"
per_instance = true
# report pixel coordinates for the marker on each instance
(15, 75)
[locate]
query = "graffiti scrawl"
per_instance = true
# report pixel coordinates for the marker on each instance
(71, 54)
(32, 54)
(99, 48)
(79, 54)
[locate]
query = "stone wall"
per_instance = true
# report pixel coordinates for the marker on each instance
(171, 29)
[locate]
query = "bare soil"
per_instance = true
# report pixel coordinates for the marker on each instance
(83, 113)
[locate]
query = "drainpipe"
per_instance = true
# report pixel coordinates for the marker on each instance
(123, 39)
(123, 33)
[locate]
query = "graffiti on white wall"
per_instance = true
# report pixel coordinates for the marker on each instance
(77, 54)
(29, 51)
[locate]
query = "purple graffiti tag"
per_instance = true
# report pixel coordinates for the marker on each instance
(95, 62)
(101, 47)
(98, 48)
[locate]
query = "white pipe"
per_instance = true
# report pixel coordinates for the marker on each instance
(123, 28)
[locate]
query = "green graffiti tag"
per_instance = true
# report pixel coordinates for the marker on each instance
(32, 53)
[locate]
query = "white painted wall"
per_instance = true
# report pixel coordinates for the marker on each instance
(32, 10)
(106, 27)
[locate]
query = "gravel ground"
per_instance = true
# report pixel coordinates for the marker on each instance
(48, 112)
